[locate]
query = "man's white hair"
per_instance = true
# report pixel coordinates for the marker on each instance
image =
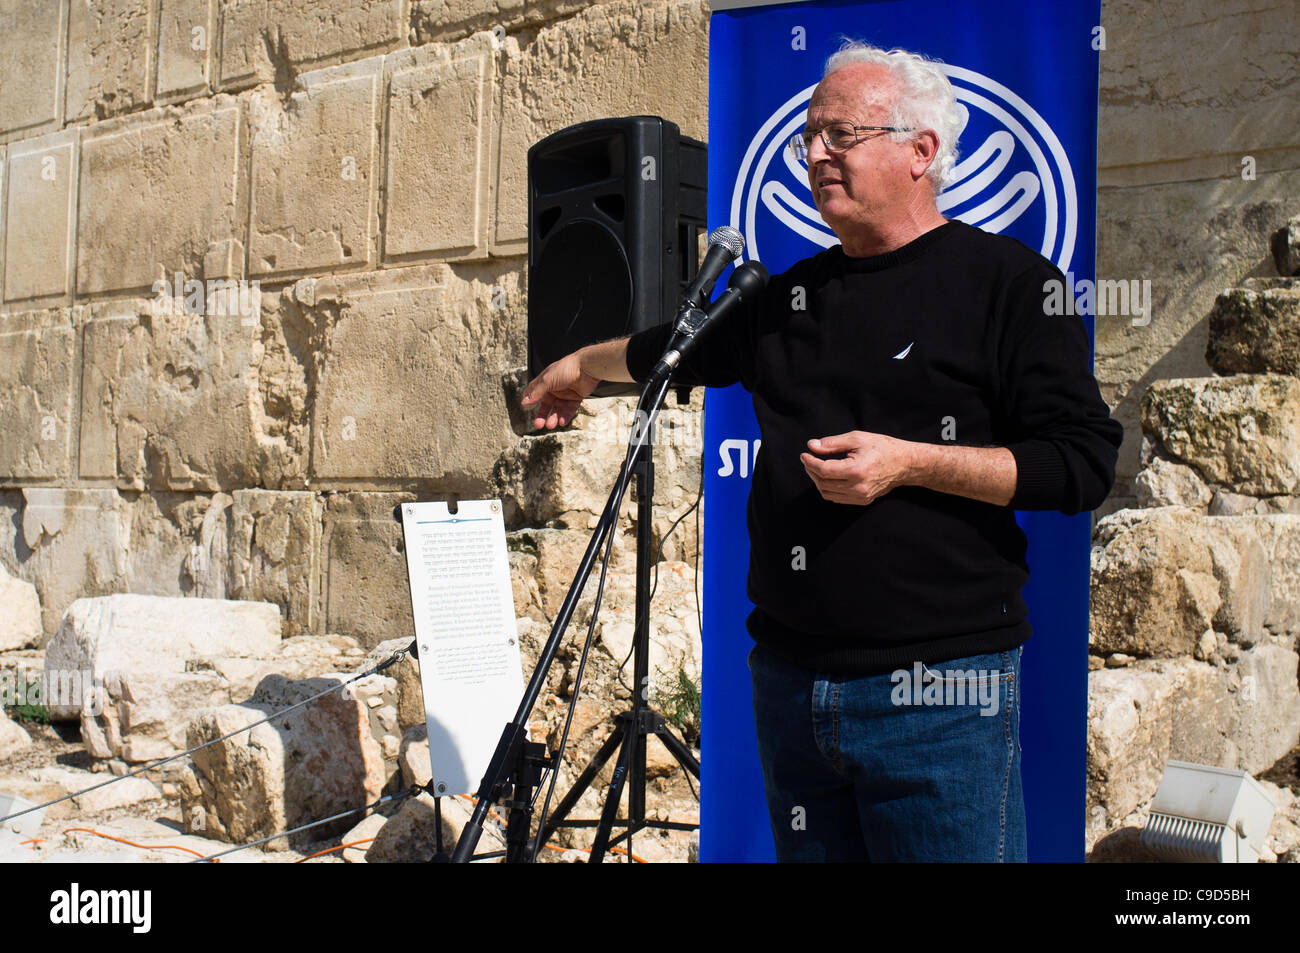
(925, 99)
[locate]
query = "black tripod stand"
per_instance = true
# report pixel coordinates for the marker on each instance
(517, 765)
(635, 725)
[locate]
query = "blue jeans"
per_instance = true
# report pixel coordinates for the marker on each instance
(917, 765)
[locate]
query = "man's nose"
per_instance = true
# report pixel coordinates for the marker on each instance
(816, 151)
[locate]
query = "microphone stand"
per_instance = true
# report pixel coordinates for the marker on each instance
(516, 766)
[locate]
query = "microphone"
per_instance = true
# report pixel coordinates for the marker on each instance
(745, 284)
(725, 246)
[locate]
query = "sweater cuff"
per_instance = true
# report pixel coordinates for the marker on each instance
(1040, 475)
(645, 348)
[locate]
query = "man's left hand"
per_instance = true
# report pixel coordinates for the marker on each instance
(874, 465)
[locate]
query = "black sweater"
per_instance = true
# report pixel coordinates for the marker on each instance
(947, 333)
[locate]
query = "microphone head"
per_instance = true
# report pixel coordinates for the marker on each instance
(729, 238)
(749, 279)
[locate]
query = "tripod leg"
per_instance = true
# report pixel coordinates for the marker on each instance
(588, 775)
(678, 750)
(610, 813)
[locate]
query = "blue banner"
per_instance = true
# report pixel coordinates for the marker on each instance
(1025, 73)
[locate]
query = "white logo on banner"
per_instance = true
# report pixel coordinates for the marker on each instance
(989, 191)
(741, 448)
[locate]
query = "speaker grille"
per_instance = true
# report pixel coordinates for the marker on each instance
(580, 287)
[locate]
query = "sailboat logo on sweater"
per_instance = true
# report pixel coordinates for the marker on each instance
(903, 353)
(1012, 177)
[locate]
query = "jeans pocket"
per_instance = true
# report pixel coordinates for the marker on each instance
(981, 681)
(992, 667)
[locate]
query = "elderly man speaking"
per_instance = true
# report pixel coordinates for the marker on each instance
(912, 393)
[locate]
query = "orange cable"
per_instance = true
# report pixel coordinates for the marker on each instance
(321, 853)
(87, 830)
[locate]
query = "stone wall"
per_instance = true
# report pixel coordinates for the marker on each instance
(362, 163)
(1199, 161)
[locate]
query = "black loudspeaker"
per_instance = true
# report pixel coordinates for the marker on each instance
(615, 211)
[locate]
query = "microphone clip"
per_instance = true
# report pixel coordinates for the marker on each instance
(689, 320)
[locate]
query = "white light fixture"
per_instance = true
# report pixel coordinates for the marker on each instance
(1203, 814)
(14, 832)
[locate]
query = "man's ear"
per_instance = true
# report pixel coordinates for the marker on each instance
(925, 146)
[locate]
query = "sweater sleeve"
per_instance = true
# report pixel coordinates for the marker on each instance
(1056, 424)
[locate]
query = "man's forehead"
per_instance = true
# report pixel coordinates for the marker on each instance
(854, 88)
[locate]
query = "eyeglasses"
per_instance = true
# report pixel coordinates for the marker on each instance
(837, 137)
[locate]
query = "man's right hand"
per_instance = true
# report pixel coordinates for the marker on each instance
(557, 392)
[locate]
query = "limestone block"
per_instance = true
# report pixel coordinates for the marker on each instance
(417, 768)
(298, 657)
(420, 399)
(411, 835)
(142, 716)
(275, 552)
(269, 40)
(1285, 245)
(1241, 432)
(554, 556)
(186, 38)
(1142, 715)
(1268, 706)
(189, 401)
(1162, 483)
(74, 543)
(366, 594)
(441, 130)
(1161, 577)
(40, 221)
(612, 59)
(410, 691)
(108, 57)
(1280, 536)
(674, 627)
(124, 793)
(1255, 331)
(178, 545)
(443, 20)
(20, 614)
(361, 836)
(1191, 242)
(154, 635)
(1245, 575)
(313, 179)
(161, 192)
(37, 369)
(1182, 84)
(13, 738)
(559, 474)
(314, 762)
(31, 59)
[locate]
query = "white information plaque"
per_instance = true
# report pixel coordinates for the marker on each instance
(465, 630)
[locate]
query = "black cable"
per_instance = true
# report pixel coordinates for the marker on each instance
(625, 478)
(659, 557)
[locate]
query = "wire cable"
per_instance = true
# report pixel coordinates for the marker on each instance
(386, 799)
(393, 659)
